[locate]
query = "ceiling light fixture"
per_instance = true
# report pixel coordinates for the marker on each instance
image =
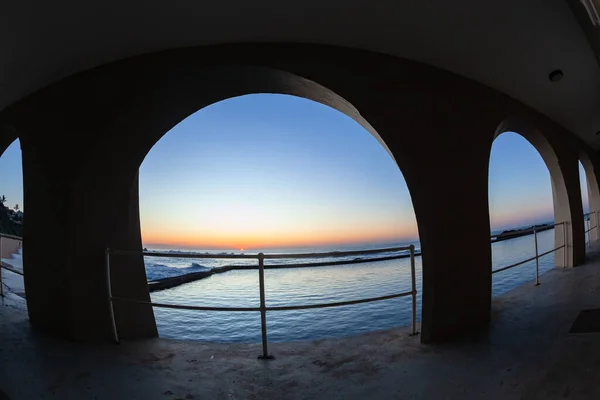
(591, 10)
(555, 75)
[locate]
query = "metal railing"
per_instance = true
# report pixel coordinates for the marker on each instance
(537, 255)
(6, 267)
(589, 227)
(263, 308)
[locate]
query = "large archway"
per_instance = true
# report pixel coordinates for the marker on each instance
(276, 173)
(562, 210)
(122, 159)
(521, 212)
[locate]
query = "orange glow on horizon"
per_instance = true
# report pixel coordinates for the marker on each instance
(245, 241)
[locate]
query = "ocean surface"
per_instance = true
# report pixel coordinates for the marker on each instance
(313, 285)
(303, 286)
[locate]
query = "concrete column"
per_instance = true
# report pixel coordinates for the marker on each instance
(106, 214)
(448, 183)
(76, 206)
(568, 207)
(452, 210)
(45, 237)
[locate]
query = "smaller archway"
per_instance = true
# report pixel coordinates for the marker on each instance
(590, 194)
(563, 233)
(11, 219)
(520, 199)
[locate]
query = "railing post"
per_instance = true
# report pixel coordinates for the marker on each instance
(596, 224)
(537, 260)
(263, 308)
(589, 230)
(564, 225)
(414, 290)
(111, 309)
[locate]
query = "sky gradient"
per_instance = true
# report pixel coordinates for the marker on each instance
(11, 175)
(272, 171)
(280, 171)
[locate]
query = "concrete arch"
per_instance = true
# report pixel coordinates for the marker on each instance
(8, 135)
(438, 125)
(120, 160)
(592, 188)
(563, 207)
(204, 88)
(116, 162)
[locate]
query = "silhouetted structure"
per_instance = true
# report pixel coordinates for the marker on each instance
(435, 85)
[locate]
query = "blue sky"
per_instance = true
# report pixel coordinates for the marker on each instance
(275, 170)
(520, 191)
(11, 175)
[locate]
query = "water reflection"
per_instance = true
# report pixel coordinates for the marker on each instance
(322, 285)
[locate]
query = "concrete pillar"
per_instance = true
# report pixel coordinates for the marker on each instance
(448, 184)
(45, 237)
(451, 204)
(76, 206)
(568, 207)
(109, 217)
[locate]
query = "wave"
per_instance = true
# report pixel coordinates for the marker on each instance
(165, 267)
(174, 251)
(161, 271)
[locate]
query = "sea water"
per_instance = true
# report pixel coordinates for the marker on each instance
(314, 285)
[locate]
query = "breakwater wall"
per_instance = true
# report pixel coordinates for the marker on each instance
(167, 283)
(507, 235)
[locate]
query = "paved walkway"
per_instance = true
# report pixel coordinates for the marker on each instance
(13, 282)
(527, 354)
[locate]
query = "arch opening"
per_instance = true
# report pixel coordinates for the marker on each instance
(590, 197)
(521, 197)
(276, 173)
(563, 234)
(12, 218)
(153, 111)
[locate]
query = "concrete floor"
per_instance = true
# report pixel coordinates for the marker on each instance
(527, 354)
(13, 282)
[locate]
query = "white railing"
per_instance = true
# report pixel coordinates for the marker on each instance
(261, 283)
(589, 229)
(537, 255)
(7, 267)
